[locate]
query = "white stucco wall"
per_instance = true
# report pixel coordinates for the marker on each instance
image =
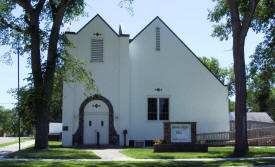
(106, 74)
(195, 95)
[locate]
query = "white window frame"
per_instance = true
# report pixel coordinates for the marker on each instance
(158, 97)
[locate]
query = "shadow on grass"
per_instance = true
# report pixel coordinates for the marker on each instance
(217, 152)
(135, 164)
(55, 151)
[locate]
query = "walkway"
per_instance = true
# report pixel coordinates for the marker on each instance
(7, 139)
(14, 147)
(111, 154)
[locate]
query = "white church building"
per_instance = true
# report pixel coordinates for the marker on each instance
(143, 82)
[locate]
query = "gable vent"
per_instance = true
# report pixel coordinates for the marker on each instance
(157, 39)
(97, 50)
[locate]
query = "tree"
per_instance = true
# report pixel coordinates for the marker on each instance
(6, 119)
(262, 66)
(239, 17)
(26, 101)
(261, 95)
(36, 30)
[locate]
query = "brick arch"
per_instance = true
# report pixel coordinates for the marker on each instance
(78, 136)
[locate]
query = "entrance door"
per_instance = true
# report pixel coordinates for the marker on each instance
(96, 120)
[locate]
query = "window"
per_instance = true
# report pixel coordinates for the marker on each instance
(157, 39)
(97, 49)
(152, 109)
(158, 108)
(163, 109)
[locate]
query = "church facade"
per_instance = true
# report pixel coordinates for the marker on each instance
(143, 82)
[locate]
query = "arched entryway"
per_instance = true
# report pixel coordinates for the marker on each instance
(78, 137)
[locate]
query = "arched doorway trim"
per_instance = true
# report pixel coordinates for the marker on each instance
(78, 136)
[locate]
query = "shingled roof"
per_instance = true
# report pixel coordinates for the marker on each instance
(254, 116)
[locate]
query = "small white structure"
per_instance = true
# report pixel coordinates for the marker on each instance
(144, 81)
(55, 128)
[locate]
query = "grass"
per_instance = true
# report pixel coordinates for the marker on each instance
(55, 150)
(213, 152)
(15, 142)
(133, 164)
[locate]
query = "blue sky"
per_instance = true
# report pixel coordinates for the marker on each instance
(188, 19)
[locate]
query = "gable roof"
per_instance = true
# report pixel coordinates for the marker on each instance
(254, 116)
(118, 35)
(180, 41)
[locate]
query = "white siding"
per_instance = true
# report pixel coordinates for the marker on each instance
(195, 94)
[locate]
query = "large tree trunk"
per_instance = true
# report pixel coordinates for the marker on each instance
(241, 145)
(240, 28)
(42, 127)
(41, 100)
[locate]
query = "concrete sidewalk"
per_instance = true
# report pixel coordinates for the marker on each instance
(14, 147)
(7, 139)
(111, 154)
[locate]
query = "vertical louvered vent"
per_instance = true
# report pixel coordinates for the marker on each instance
(158, 39)
(97, 50)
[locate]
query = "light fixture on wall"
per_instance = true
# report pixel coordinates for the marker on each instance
(158, 89)
(96, 105)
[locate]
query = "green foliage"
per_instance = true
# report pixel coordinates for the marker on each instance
(262, 67)
(262, 21)
(231, 106)
(6, 119)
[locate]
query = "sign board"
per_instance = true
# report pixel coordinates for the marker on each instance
(55, 128)
(181, 133)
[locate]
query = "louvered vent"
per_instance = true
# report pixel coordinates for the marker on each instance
(97, 50)
(158, 39)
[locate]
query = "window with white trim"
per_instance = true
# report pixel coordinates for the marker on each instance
(158, 108)
(97, 49)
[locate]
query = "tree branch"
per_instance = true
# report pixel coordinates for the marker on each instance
(11, 26)
(58, 16)
(53, 8)
(25, 4)
(235, 19)
(40, 5)
(248, 17)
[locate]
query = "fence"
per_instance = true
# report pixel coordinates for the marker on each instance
(259, 136)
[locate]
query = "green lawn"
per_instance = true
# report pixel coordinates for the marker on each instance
(213, 152)
(15, 142)
(133, 164)
(55, 151)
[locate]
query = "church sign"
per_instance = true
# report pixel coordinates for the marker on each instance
(180, 132)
